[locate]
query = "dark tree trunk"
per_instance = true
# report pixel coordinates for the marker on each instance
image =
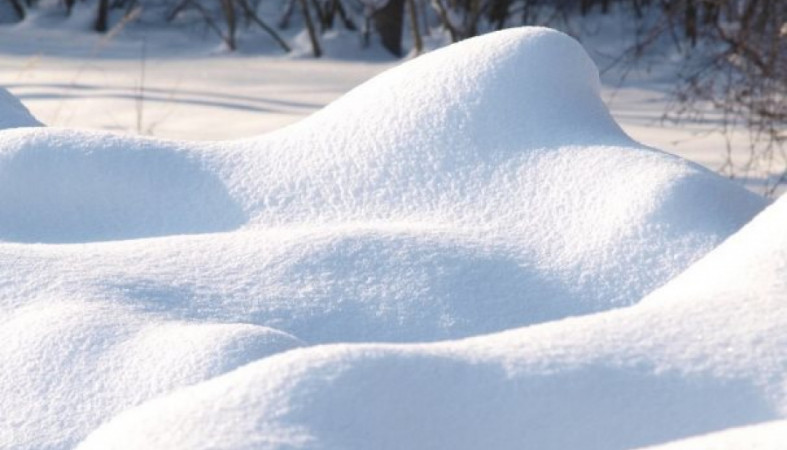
(711, 13)
(228, 7)
(584, 6)
(321, 13)
(346, 20)
(102, 17)
(388, 21)
(316, 50)
(691, 22)
(284, 19)
(498, 13)
(334, 8)
(417, 42)
(637, 8)
(18, 9)
(471, 18)
(251, 15)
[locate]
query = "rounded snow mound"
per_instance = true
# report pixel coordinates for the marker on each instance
(447, 137)
(502, 138)
(512, 90)
(504, 131)
(60, 186)
(477, 188)
(64, 353)
(704, 353)
(13, 113)
(765, 436)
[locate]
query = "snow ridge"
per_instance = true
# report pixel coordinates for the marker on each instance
(13, 113)
(647, 374)
(480, 188)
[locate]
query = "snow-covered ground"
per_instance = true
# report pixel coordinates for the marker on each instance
(188, 91)
(466, 251)
(173, 86)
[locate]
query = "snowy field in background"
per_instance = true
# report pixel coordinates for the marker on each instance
(177, 86)
(466, 251)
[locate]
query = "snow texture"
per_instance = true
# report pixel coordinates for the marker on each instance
(13, 114)
(480, 188)
(703, 353)
(767, 436)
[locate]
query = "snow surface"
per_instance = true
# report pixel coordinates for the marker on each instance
(767, 436)
(13, 113)
(175, 84)
(703, 353)
(479, 188)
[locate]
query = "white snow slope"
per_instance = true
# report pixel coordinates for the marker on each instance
(703, 353)
(13, 113)
(766, 436)
(479, 188)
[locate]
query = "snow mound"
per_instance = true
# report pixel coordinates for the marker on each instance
(767, 436)
(69, 365)
(704, 353)
(497, 136)
(478, 188)
(13, 113)
(61, 186)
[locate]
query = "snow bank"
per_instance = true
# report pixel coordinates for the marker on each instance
(495, 141)
(704, 353)
(13, 114)
(62, 186)
(767, 436)
(475, 189)
(68, 365)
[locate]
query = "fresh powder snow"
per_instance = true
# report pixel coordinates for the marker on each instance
(766, 436)
(13, 113)
(703, 353)
(480, 188)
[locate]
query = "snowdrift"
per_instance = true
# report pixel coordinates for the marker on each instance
(480, 188)
(65, 186)
(69, 365)
(767, 436)
(703, 353)
(13, 113)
